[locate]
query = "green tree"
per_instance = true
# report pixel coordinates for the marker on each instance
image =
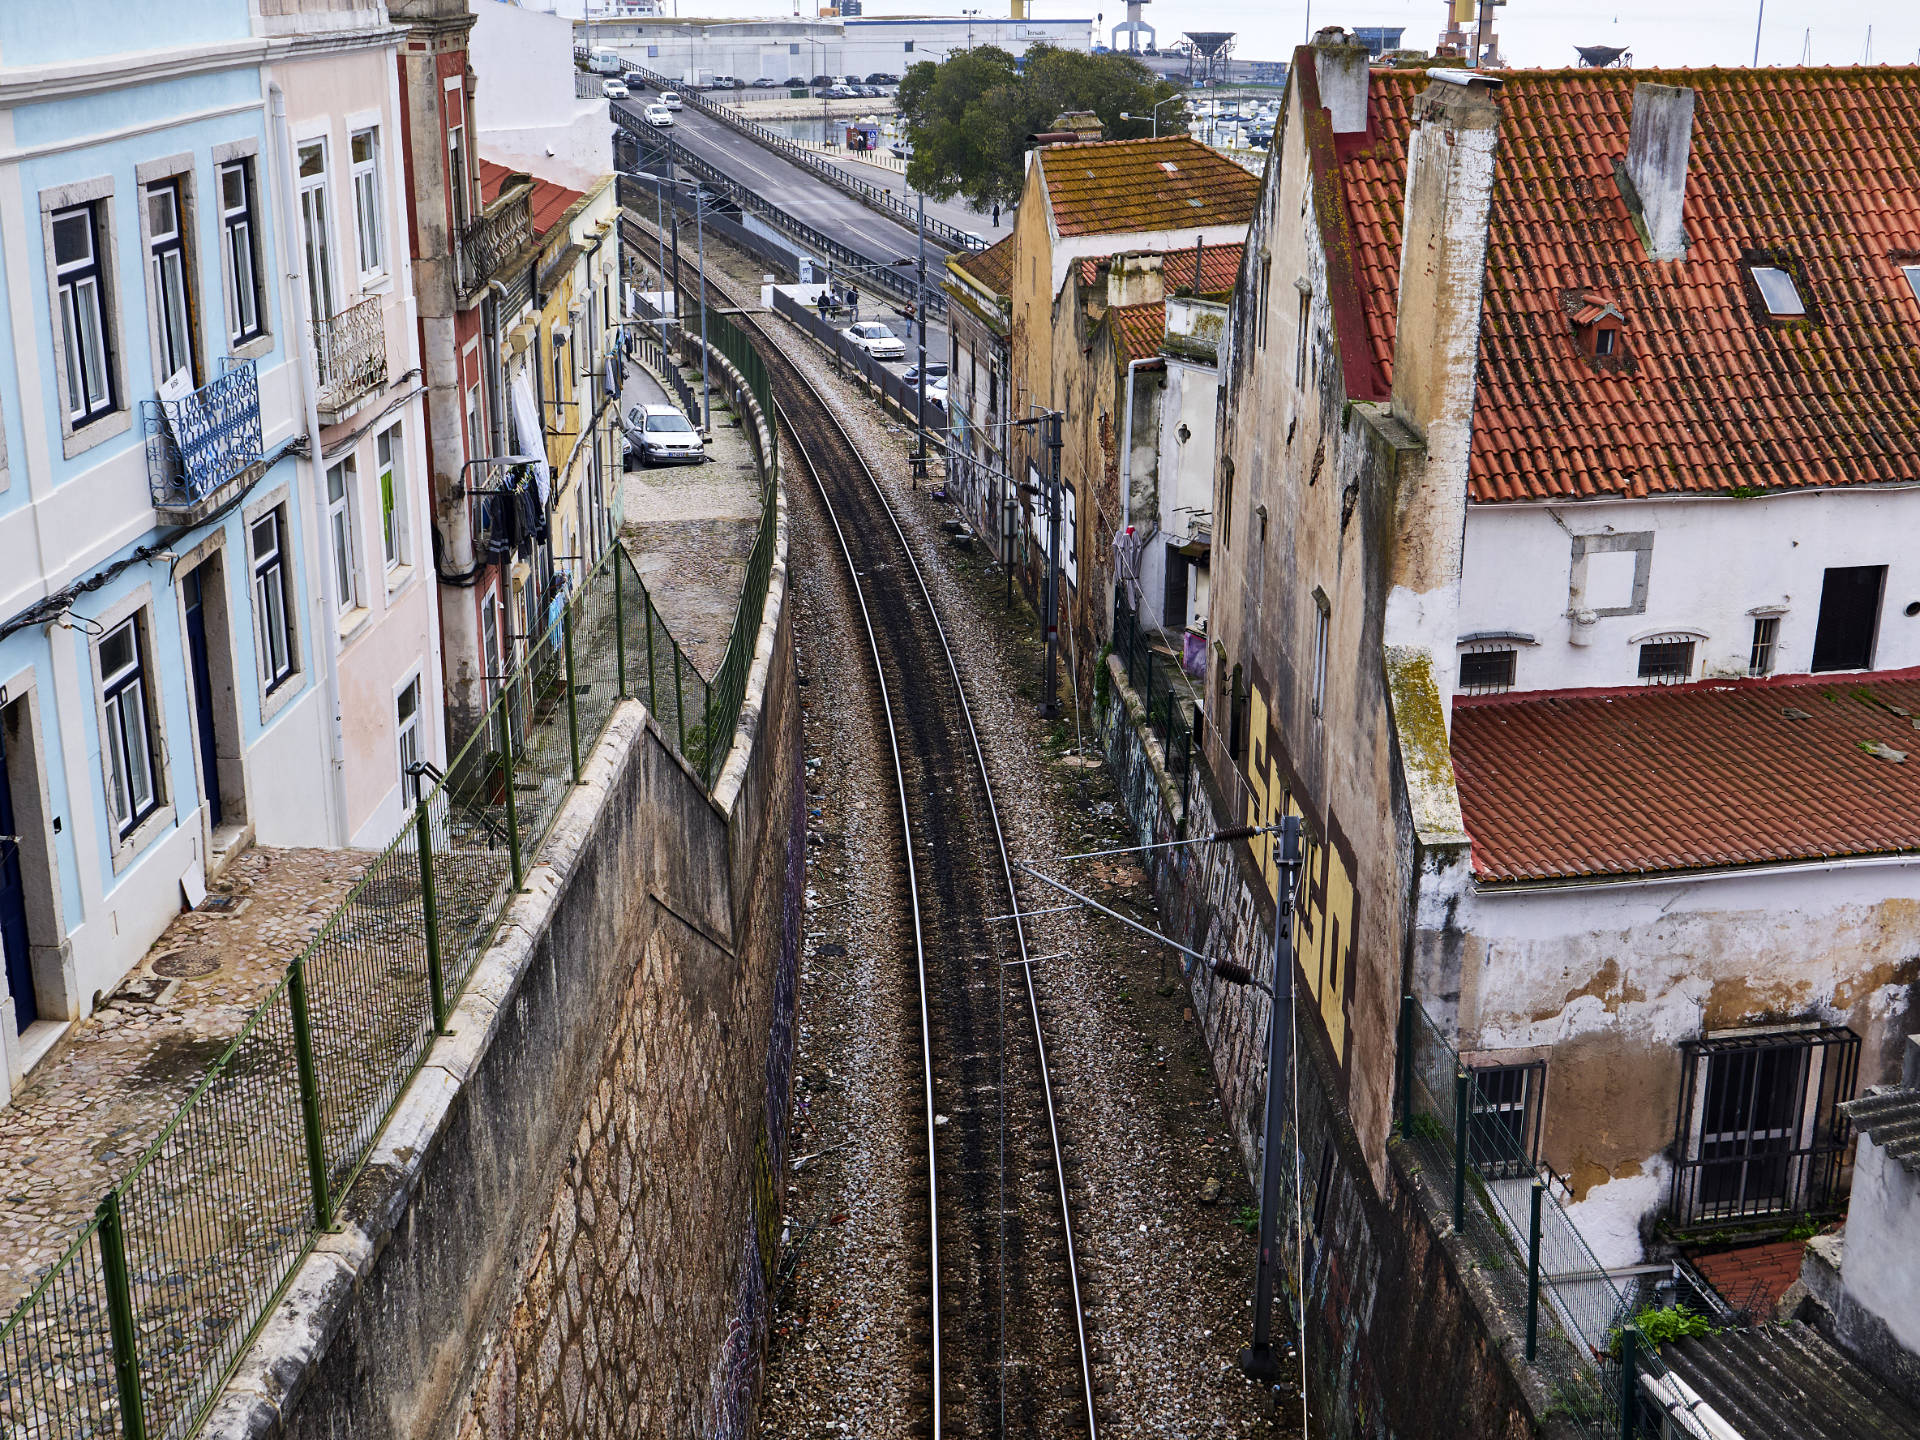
(970, 117)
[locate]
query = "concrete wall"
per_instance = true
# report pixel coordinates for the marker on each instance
(569, 1226)
(1404, 1338)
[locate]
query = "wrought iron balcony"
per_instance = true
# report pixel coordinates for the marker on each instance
(203, 446)
(352, 354)
(503, 232)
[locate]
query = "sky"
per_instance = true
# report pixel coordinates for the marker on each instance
(1532, 32)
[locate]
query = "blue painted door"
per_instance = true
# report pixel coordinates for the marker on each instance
(13, 908)
(202, 695)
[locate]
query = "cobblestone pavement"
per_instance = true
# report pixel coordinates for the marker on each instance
(87, 1114)
(689, 528)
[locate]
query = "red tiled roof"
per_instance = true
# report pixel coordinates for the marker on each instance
(1138, 329)
(1588, 783)
(550, 200)
(1822, 164)
(1220, 267)
(1173, 183)
(991, 267)
(1754, 1277)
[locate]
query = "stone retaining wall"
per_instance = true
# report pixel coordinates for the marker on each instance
(569, 1226)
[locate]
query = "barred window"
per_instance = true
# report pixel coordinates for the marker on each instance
(1667, 660)
(1487, 671)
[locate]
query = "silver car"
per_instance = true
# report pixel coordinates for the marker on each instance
(661, 435)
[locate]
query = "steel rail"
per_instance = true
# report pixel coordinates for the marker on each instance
(1006, 862)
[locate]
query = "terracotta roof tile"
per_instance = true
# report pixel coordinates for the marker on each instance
(1115, 186)
(1138, 330)
(992, 267)
(1822, 164)
(550, 200)
(1754, 1277)
(1589, 783)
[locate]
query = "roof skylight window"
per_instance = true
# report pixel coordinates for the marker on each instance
(1779, 291)
(1912, 272)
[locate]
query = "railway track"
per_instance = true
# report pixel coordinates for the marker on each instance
(1005, 1322)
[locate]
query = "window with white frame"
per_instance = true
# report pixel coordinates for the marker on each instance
(316, 230)
(490, 642)
(84, 332)
(267, 540)
(170, 276)
(240, 252)
(457, 171)
(406, 716)
(390, 462)
(474, 449)
(133, 780)
(340, 483)
(365, 154)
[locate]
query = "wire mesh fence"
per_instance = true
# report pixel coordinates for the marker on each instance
(133, 1331)
(1474, 1142)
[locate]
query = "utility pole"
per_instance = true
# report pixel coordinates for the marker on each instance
(1050, 705)
(673, 219)
(920, 325)
(1258, 1358)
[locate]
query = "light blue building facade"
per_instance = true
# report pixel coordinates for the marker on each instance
(162, 700)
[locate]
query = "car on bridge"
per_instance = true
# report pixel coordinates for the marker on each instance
(613, 89)
(633, 80)
(658, 116)
(877, 340)
(672, 101)
(661, 435)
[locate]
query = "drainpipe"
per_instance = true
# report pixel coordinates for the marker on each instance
(324, 623)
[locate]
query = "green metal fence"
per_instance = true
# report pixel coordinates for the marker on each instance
(1478, 1148)
(133, 1331)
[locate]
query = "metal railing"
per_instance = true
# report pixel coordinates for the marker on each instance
(1581, 1335)
(351, 349)
(205, 441)
(889, 385)
(496, 237)
(1173, 712)
(135, 1328)
(588, 86)
(877, 196)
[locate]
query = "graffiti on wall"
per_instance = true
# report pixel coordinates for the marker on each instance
(1324, 900)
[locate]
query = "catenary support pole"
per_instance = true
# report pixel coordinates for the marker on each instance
(1259, 1359)
(1462, 1119)
(920, 327)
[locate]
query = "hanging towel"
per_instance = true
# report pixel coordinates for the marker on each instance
(531, 438)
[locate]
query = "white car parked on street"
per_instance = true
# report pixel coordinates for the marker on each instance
(877, 340)
(658, 116)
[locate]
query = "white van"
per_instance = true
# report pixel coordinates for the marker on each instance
(604, 62)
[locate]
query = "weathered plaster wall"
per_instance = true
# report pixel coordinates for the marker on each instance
(1604, 982)
(1712, 562)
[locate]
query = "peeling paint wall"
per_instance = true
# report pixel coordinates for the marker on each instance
(1604, 982)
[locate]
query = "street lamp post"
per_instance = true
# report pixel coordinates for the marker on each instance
(1156, 114)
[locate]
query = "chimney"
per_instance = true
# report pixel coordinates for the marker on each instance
(1654, 175)
(1081, 124)
(1340, 67)
(1443, 262)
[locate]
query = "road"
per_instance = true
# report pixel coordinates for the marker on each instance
(813, 201)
